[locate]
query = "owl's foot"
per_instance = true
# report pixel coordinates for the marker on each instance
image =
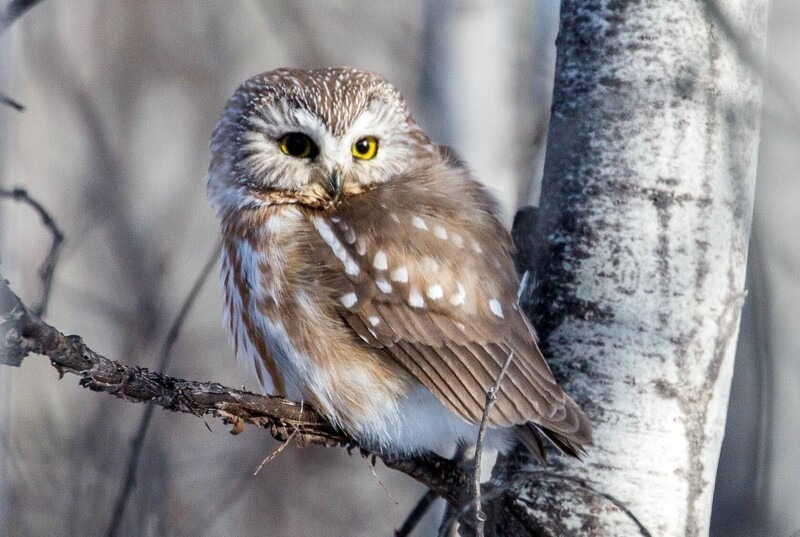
(286, 433)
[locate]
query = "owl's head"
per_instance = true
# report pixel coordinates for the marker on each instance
(311, 137)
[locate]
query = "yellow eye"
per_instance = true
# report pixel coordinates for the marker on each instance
(297, 144)
(366, 148)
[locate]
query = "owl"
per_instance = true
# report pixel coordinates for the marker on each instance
(367, 273)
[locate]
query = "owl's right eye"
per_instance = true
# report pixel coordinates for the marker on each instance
(297, 144)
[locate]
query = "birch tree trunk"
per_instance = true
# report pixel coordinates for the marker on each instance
(639, 256)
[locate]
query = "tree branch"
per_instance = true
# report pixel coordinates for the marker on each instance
(14, 10)
(22, 332)
(416, 514)
(12, 103)
(491, 399)
(48, 269)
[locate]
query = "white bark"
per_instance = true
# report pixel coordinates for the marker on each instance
(5, 377)
(640, 256)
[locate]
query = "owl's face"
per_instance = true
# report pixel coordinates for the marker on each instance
(311, 137)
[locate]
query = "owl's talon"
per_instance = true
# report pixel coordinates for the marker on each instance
(237, 423)
(304, 440)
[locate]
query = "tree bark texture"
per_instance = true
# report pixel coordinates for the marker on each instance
(637, 264)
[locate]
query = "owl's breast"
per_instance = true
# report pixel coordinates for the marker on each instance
(281, 314)
(256, 278)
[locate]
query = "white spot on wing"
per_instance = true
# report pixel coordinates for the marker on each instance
(350, 236)
(374, 320)
(327, 234)
(400, 274)
(363, 338)
(380, 262)
(457, 240)
(394, 217)
(429, 264)
(440, 232)
(476, 247)
(324, 230)
(415, 298)
(361, 246)
(351, 267)
(496, 308)
(435, 291)
(458, 298)
(419, 223)
(349, 300)
(383, 285)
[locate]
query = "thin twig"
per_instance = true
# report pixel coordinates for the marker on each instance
(8, 101)
(275, 453)
(165, 355)
(448, 526)
(416, 514)
(370, 460)
(14, 10)
(761, 308)
(491, 399)
(174, 330)
(48, 268)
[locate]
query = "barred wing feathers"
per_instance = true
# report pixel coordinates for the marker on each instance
(425, 273)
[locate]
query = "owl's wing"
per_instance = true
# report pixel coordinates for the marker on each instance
(436, 289)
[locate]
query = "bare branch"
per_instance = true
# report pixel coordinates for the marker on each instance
(23, 333)
(448, 526)
(14, 10)
(491, 399)
(48, 268)
(416, 514)
(8, 101)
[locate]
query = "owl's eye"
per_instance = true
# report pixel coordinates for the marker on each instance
(297, 144)
(366, 148)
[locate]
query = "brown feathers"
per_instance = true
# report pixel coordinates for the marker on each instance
(377, 286)
(437, 292)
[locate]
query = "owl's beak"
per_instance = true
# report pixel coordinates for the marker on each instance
(333, 185)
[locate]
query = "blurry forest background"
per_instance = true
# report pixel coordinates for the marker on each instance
(121, 99)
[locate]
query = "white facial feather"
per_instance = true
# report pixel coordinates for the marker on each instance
(334, 108)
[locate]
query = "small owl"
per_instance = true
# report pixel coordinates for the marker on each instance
(367, 273)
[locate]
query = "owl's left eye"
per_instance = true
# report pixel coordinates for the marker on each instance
(297, 144)
(366, 148)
